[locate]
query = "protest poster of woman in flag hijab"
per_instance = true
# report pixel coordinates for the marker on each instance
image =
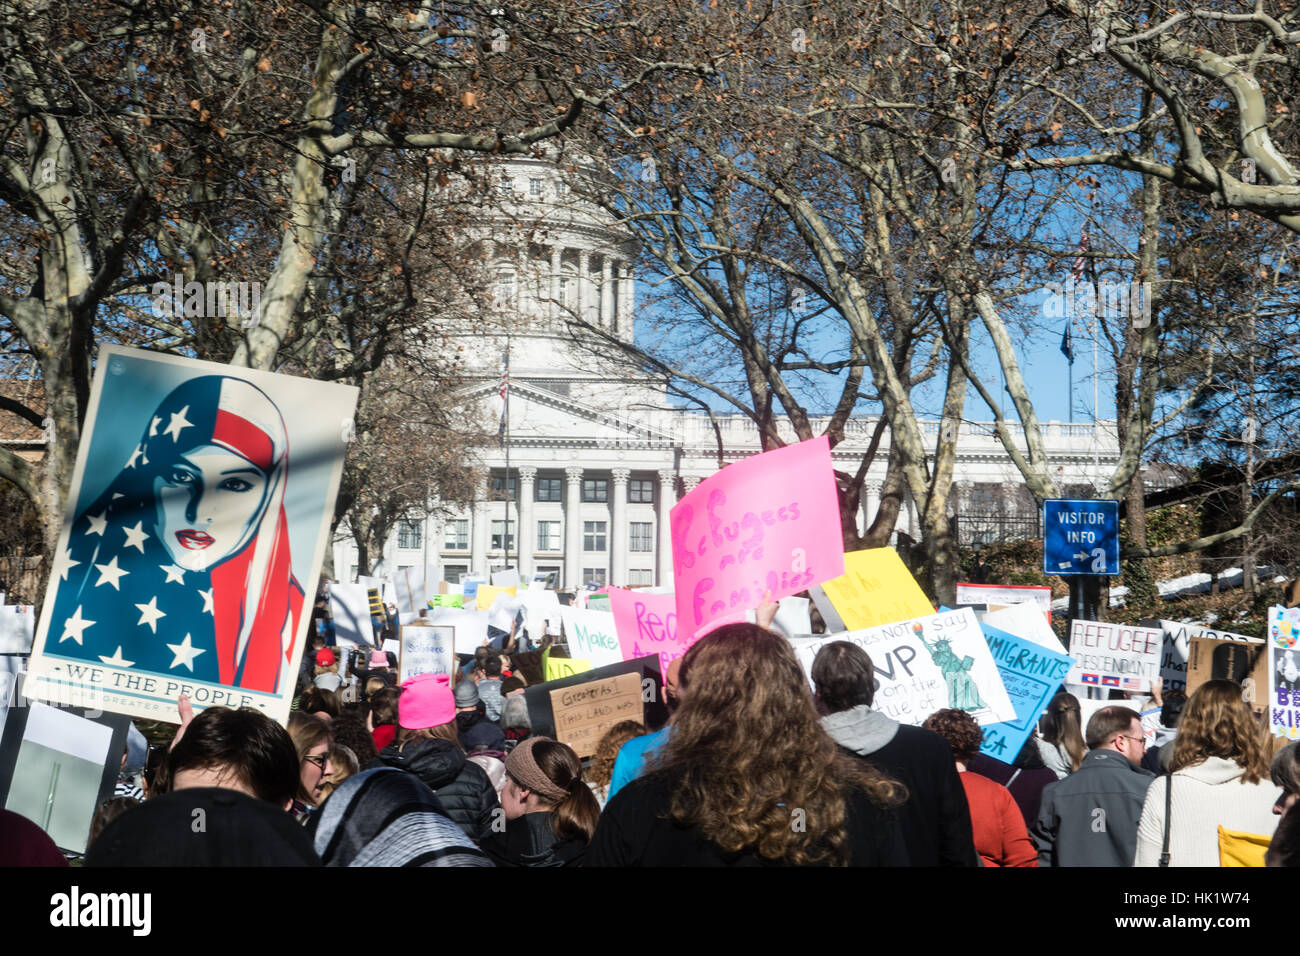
(198, 518)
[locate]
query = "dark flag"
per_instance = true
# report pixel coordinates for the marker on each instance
(1067, 345)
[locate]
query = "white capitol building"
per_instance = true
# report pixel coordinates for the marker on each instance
(599, 454)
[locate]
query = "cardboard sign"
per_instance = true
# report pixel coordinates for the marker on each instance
(646, 669)
(591, 635)
(584, 713)
(927, 664)
(875, 588)
(17, 628)
(1116, 656)
(1284, 671)
(1031, 674)
(647, 624)
(768, 523)
(471, 626)
(1238, 658)
(199, 511)
(486, 595)
(350, 610)
(427, 649)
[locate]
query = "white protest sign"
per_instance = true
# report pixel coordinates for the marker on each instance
(508, 578)
(17, 628)
(1117, 656)
(591, 635)
(1173, 655)
(504, 610)
(471, 626)
(409, 587)
(1024, 620)
(350, 609)
(925, 665)
(792, 617)
(426, 649)
(540, 606)
(1004, 594)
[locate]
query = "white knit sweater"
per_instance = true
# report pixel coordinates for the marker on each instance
(1206, 796)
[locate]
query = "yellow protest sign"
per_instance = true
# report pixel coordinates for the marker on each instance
(876, 588)
(558, 667)
(487, 593)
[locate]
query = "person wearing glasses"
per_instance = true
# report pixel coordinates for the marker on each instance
(312, 741)
(1090, 818)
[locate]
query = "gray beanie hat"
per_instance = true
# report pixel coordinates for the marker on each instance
(466, 694)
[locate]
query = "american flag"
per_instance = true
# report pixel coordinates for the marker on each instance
(504, 392)
(1079, 260)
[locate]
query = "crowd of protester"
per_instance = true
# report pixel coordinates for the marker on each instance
(755, 767)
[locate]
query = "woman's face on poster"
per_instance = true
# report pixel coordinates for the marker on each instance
(207, 504)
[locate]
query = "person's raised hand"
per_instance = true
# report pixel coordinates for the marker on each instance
(187, 717)
(765, 613)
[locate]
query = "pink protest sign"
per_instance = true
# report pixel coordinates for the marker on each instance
(768, 523)
(647, 624)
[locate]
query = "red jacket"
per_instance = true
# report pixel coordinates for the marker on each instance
(1000, 835)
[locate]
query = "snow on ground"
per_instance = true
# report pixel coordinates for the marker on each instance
(1187, 584)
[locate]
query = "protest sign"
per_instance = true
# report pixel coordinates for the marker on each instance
(538, 695)
(1284, 671)
(1228, 656)
(507, 578)
(591, 635)
(409, 590)
(11, 668)
(1024, 621)
(598, 602)
(471, 626)
(57, 765)
(757, 525)
(875, 588)
(1001, 595)
(1173, 654)
(426, 649)
(1117, 656)
(926, 664)
(199, 507)
(17, 628)
(584, 712)
(1030, 673)
(647, 624)
(350, 610)
(487, 594)
(539, 607)
(469, 587)
(446, 600)
(555, 668)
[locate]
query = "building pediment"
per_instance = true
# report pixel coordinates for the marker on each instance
(543, 416)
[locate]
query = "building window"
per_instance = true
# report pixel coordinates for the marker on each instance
(505, 187)
(548, 536)
(593, 536)
(594, 576)
(501, 488)
(639, 536)
(456, 535)
(595, 489)
(498, 527)
(640, 491)
(408, 534)
(552, 574)
(535, 188)
(549, 489)
(566, 302)
(452, 573)
(640, 577)
(505, 295)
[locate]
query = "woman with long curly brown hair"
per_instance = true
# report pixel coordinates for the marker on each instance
(748, 776)
(1219, 778)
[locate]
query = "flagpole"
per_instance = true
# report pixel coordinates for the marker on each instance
(505, 504)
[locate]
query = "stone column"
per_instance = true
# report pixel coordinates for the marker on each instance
(624, 328)
(572, 527)
(525, 531)
(557, 267)
(618, 543)
(870, 503)
(478, 535)
(584, 285)
(523, 292)
(667, 498)
(606, 318)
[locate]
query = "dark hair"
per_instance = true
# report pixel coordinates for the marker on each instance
(1106, 723)
(107, 812)
(244, 743)
(492, 666)
(1060, 726)
(843, 676)
(383, 706)
(315, 699)
(1172, 708)
(481, 654)
(349, 730)
(575, 814)
(1284, 771)
(959, 729)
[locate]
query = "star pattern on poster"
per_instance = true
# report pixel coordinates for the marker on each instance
(117, 660)
(153, 426)
(136, 537)
(98, 524)
(185, 653)
(74, 626)
(149, 614)
(68, 562)
(177, 424)
(175, 574)
(207, 600)
(136, 452)
(110, 573)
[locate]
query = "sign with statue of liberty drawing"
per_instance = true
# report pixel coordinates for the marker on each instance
(926, 664)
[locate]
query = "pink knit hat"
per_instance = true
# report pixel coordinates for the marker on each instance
(378, 659)
(426, 701)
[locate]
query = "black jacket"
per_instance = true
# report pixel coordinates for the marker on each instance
(530, 841)
(1091, 817)
(463, 789)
